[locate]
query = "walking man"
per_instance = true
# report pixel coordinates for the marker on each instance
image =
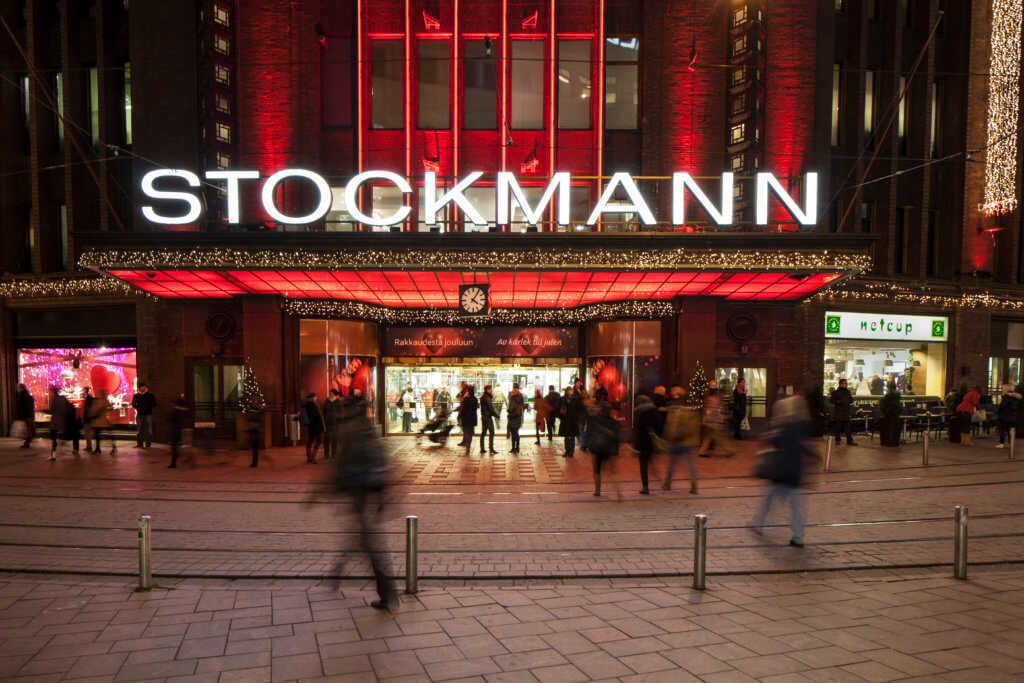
(784, 465)
(554, 402)
(467, 416)
(144, 403)
(487, 416)
(516, 406)
(841, 401)
(332, 423)
(408, 402)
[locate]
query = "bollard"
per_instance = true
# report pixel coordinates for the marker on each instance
(700, 547)
(145, 570)
(924, 450)
(960, 542)
(828, 453)
(410, 554)
(1013, 440)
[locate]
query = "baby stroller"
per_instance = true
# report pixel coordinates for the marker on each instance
(438, 429)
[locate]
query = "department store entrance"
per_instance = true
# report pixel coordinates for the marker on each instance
(435, 387)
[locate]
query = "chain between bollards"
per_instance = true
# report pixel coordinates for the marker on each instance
(924, 450)
(410, 554)
(700, 549)
(828, 453)
(145, 569)
(960, 542)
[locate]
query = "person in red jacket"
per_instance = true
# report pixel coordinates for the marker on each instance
(965, 411)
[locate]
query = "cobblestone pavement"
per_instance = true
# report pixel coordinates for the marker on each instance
(876, 625)
(219, 518)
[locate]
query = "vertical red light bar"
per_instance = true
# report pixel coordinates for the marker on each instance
(456, 124)
(599, 103)
(359, 85)
(407, 54)
(552, 96)
(503, 132)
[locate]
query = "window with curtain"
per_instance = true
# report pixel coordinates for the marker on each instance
(574, 84)
(621, 83)
(527, 85)
(433, 67)
(480, 86)
(386, 84)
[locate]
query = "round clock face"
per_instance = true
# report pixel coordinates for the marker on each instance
(473, 299)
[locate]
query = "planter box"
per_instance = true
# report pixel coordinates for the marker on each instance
(889, 430)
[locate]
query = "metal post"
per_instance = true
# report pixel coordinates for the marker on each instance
(828, 453)
(1013, 440)
(924, 450)
(410, 554)
(700, 549)
(960, 542)
(145, 570)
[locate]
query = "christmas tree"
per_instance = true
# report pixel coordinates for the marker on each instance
(698, 386)
(251, 399)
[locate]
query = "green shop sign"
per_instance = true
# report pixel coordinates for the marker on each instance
(885, 326)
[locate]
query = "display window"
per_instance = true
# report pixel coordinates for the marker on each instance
(418, 393)
(71, 370)
(340, 355)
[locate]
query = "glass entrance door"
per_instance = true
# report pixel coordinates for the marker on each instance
(434, 384)
(757, 387)
(214, 390)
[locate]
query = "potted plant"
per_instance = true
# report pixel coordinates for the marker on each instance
(889, 427)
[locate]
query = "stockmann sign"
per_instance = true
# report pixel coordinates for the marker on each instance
(885, 326)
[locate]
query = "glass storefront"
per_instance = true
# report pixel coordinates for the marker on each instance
(112, 370)
(870, 350)
(437, 384)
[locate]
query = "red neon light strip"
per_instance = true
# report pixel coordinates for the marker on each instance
(503, 127)
(456, 122)
(576, 36)
(407, 70)
(598, 101)
(552, 96)
(386, 36)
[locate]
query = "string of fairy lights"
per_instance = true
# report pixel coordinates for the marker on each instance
(681, 258)
(1003, 102)
(67, 287)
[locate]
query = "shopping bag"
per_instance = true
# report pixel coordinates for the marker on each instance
(979, 416)
(19, 429)
(745, 425)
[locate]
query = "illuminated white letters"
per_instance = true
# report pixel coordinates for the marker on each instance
(683, 181)
(232, 188)
(321, 185)
(195, 208)
(637, 203)
(805, 217)
(507, 181)
(352, 201)
(431, 203)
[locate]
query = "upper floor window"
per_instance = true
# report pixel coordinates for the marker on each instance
(902, 116)
(386, 84)
(837, 104)
(434, 77)
(94, 106)
(126, 93)
(337, 76)
(573, 84)
(527, 87)
(621, 87)
(481, 84)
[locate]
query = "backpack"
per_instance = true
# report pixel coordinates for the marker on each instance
(303, 416)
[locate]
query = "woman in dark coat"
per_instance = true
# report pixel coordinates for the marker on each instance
(739, 408)
(569, 422)
(649, 422)
(315, 427)
(1009, 409)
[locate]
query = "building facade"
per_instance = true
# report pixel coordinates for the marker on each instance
(414, 193)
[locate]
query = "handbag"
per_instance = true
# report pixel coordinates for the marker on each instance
(745, 425)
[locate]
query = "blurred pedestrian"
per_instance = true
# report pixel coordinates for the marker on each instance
(1006, 414)
(842, 402)
(467, 415)
(362, 474)
(99, 420)
(314, 422)
(177, 419)
(712, 422)
(332, 423)
(516, 407)
(569, 416)
(488, 414)
(783, 464)
(87, 399)
(603, 437)
(739, 409)
(25, 412)
(583, 396)
(62, 421)
(649, 423)
(144, 404)
(554, 402)
(682, 432)
(541, 411)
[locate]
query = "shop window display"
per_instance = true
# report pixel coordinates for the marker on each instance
(73, 369)
(918, 369)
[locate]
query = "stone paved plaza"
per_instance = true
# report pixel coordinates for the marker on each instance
(523, 574)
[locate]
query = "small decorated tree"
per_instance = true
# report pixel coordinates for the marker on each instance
(251, 399)
(698, 386)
